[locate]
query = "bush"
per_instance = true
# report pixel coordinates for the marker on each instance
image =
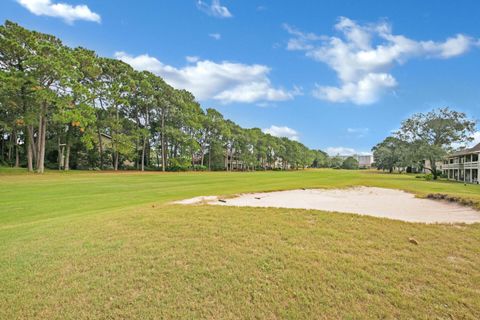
(178, 165)
(177, 168)
(199, 167)
(217, 167)
(350, 163)
(428, 177)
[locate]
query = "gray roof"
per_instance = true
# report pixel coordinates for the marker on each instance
(475, 149)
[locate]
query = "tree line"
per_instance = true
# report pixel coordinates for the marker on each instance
(66, 108)
(424, 137)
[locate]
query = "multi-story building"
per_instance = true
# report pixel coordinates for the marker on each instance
(463, 165)
(364, 161)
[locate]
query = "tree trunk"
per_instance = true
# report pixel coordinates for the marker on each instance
(164, 153)
(17, 151)
(41, 160)
(143, 154)
(66, 166)
(30, 146)
(60, 153)
(100, 141)
(2, 147)
(33, 147)
(210, 158)
(100, 148)
(115, 161)
(433, 167)
(29, 158)
(39, 142)
(10, 146)
(226, 159)
(137, 160)
(147, 153)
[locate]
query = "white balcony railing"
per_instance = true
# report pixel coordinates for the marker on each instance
(465, 165)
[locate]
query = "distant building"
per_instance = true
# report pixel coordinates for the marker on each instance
(364, 161)
(463, 165)
(427, 166)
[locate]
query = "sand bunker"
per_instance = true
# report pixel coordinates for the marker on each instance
(378, 202)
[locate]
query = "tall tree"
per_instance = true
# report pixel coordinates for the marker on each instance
(435, 132)
(392, 153)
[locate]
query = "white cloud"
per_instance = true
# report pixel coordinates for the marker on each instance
(69, 13)
(363, 55)
(282, 132)
(358, 132)
(344, 151)
(192, 59)
(216, 36)
(266, 105)
(473, 143)
(366, 91)
(226, 82)
(214, 9)
(476, 139)
(252, 92)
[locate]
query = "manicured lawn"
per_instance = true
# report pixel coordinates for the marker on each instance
(109, 245)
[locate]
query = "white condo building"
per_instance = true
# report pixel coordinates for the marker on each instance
(463, 165)
(364, 161)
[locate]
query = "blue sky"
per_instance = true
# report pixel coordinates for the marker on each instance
(337, 75)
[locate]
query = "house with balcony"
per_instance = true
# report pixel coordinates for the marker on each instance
(463, 165)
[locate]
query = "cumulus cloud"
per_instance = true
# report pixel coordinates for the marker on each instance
(226, 82)
(476, 138)
(344, 151)
(192, 59)
(362, 56)
(358, 132)
(69, 13)
(282, 132)
(216, 36)
(214, 9)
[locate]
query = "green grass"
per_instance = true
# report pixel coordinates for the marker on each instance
(106, 245)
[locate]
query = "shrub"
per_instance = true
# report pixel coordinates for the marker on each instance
(177, 168)
(199, 167)
(350, 163)
(428, 177)
(178, 164)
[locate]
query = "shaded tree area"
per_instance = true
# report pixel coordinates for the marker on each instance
(65, 108)
(424, 137)
(350, 163)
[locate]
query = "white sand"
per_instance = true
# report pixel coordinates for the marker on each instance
(197, 200)
(377, 202)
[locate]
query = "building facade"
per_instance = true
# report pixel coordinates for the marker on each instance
(463, 165)
(364, 161)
